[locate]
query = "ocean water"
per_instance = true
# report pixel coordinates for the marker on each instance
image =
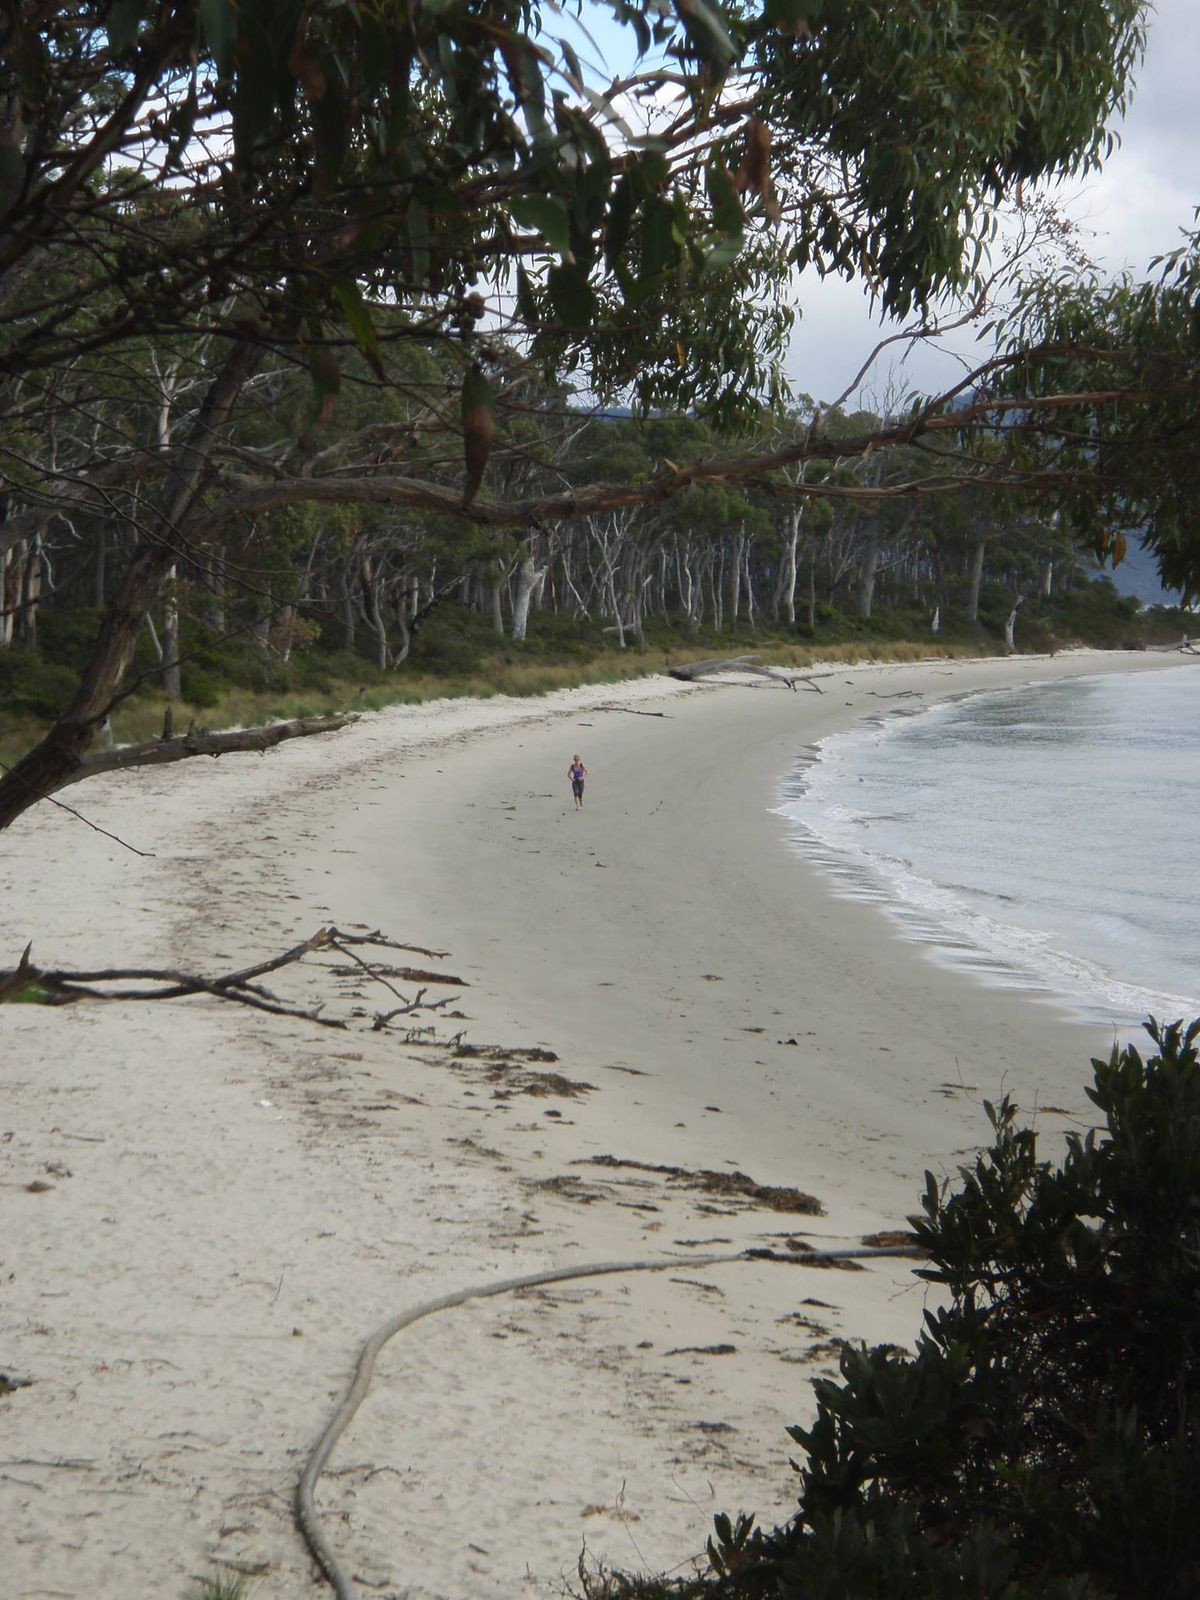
(1046, 837)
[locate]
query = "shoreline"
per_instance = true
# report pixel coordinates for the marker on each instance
(940, 918)
(190, 1296)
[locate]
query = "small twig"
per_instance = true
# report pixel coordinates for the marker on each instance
(383, 1018)
(372, 972)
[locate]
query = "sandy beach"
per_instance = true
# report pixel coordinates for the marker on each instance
(224, 1204)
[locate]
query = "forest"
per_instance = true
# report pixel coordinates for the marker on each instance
(322, 604)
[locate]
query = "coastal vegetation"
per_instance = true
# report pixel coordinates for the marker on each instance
(332, 308)
(1040, 1443)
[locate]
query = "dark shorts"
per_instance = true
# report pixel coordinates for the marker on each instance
(577, 788)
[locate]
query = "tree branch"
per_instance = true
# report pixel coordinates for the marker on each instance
(160, 752)
(63, 987)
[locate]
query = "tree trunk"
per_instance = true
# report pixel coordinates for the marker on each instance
(735, 582)
(1011, 625)
(51, 762)
(870, 568)
(974, 579)
(791, 541)
(216, 587)
(812, 590)
(1048, 579)
(171, 677)
(497, 604)
(6, 599)
(527, 578)
(748, 575)
(348, 617)
(99, 573)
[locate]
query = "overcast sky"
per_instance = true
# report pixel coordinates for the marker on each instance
(1134, 210)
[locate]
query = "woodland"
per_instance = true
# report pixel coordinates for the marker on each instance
(326, 325)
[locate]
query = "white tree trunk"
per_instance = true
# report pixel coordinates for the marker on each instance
(527, 581)
(735, 582)
(870, 567)
(1011, 624)
(790, 544)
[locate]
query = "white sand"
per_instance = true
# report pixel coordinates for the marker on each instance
(238, 1200)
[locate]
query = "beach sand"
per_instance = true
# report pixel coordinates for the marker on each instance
(228, 1203)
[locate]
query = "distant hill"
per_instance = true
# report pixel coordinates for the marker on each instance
(1138, 575)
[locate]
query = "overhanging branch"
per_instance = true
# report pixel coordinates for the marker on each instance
(160, 752)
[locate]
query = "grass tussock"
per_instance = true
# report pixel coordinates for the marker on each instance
(224, 1586)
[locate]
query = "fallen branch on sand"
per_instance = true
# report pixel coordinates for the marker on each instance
(690, 671)
(59, 986)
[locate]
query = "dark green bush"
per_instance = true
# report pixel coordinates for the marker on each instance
(1041, 1444)
(31, 686)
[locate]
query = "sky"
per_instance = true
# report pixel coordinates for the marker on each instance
(1133, 210)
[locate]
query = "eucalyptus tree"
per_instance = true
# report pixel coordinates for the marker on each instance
(302, 181)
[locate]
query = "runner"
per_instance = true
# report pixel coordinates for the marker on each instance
(577, 772)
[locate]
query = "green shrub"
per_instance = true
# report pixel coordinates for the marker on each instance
(1041, 1444)
(31, 686)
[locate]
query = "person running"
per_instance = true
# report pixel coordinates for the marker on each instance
(577, 772)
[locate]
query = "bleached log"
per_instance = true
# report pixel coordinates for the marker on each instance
(691, 670)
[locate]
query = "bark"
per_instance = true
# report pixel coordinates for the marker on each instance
(348, 617)
(171, 676)
(812, 590)
(870, 569)
(215, 584)
(6, 599)
(497, 604)
(527, 580)
(974, 579)
(1010, 625)
(701, 669)
(788, 584)
(735, 582)
(100, 572)
(748, 577)
(162, 752)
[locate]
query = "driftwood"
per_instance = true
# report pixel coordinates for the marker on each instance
(691, 670)
(808, 679)
(1185, 647)
(62, 987)
(158, 752)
